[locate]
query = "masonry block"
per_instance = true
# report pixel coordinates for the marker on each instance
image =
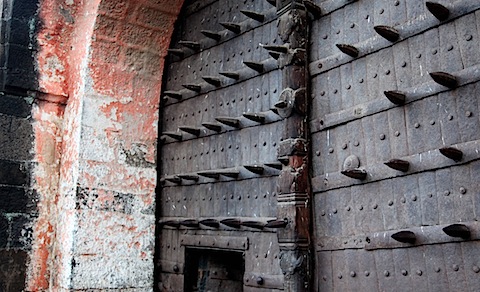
(14, 173)
(15, 106)
(16, 138)
(15, 200)
(4, 231)
(12, 270)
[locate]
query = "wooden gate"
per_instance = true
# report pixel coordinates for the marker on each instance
(321, 146)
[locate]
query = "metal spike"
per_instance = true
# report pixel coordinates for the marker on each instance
(355, 173)
(232, 75)
(255, 66)
(405, 237)
(348, 49)
(210, 223)
(229, 173)
(177, 52)
(398, 164)
(174, 179)
(457, 230)
(254, 224)
(281, 104)
(173, 94)
(253, 15)
(313, 8)
(192, 223)
(277, 49)
(272, 2)
(233, 27)
(444, 79)
(283, 160)
(213, 127)
(396, 97)
(174, 135)
(277, 223)
(452, 153)
(275, 111)
(215, 81)
(259, 118)
(388, 32)
(274, 165)
(274, 55)
(209, 174)
(193, 87)
(190, 44)
(438, 10)
(191, 177)
(231, 222)
(190, 130)
(171, 223)
(258, 169)
(232, 122)
(211, 34)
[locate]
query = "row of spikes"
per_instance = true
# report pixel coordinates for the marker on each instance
(403, 165)
(230, 222)
(454, 230)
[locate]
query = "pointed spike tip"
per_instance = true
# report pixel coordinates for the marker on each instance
(438, 10)
(215, 81)
(396, 97)
(233, 27)
(445, 79)
(253, 15)
(211, 34)
(348, 49)
(452, 153)
(398, 164)
(313, 8)
(387, 32)
(405, 237)
(355, 173)
(232, 122)
(231, 75)
(457, 230)
(255, 66)
(213, 127)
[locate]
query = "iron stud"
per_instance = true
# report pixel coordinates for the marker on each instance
(174, 179)
(212, 126)
(452, 153)
(439, 11)
(215, 81)
(211, 34)
(257, 169)
(348, 49)
(233, 27)
(209, 174)
(229, 173)
(277, 223)
(190, 130)
(398, 164)
(253, 15)
(276, 49)
(190, 44)
(457, 230)
(387, 32)
(405, 237)
(177, 52)
(274, 165)
(259, 118)
(253, 224)
(171, 223)
(313, 8)
(272, 2)
(210, 223)
(356, 173)
(396, 97)
(444, 79)
(232, 122)
(174, 135)
(231, 75)
(193, 87)
(173, 94)
(231, 222)
(191, 223)
(255, 66)
(260, 281)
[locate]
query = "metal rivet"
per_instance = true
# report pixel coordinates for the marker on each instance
(344, 146)
(419, 56)
(430, 195)
(352, 274)
(416, 125)
(375, 75)
(367, 273)
(446, 193)
(390, 202)
(404, 64)
(382, 136)
(360, 207)
(330, 150)
(356, 143)
(375, 206)
(361, 80)
(325, 37)
(476, 269)
(320, 65)
(432, 122)
(397, 133)
(455, 267)
(437, 270)
(352, 25)
(386, 273)
(335, 91)
(387, 72)
(382, 11)
(450, 47)
(403, 200)
(339, 276)
(450, 117)
(335, 211)
(348, 208)
(396, 3)
(317, 153)
(404, 272)
(434, 51)
(414, 198)
(469, 37)
(345, 242)
(348, 87)
(322, 93)
(468, 114)
(322, 213)
(463, 190)
(419, 272)
(338, 31)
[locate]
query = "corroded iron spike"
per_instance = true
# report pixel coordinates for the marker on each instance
(232, 122)
(233, 27)
(171, 223)
(277, 223)
(231, 75)
(211, 34)
(209, 174)
(405, 236)
(253, 15)
(274, 165)
(177, 52)
(190, 44)
(258, 169)
(457, 230)
(255, 66)
(355, 173)
(253, 224)
(275, 111)
(231, 222)
(259, 118)
(278, 49)
(396, 97)
(348, 49)
(313, 8)
(281, 104)
(438, 10)
(174, 179)
(213, 127)
(398, 164)
(174, 135)
(274, 55)
(272, 2)
(190, 130)
(387, 32)
(193, 87)
(215, 81)
(191, 177)
(444, 79)
(192, 223)
(210, 223)
(173, 94)
(452, 153)
(283, 160)
(230, 173)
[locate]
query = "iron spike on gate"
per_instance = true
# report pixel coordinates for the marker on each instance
(215, 81)
(229, 173)
(452, 153)
(233, 27)
(272, 2)
(191, 223)
(405, 237)
(253, 224)
(356, 173)
(177, 52)
(192, 87)
(257, 169)
(190, 130)
(274, 165)
(232, 122)
(395, 96)
(190, 44)
(444, 79)
(210, 223)
(276, 49)
(174, 135)
(211, 34)
(277, 223)
(174, 179)
(209, 174)
(259, 118)
(438, 10)
(231, 75)
(398, 164)
(192, 177)
(253, 15)
(170, 223)
(231, 222)
(313, 8)
(348, 49)
(212, 126)
(255, 66)
(387, 32)
(457, 230)
(173, 94)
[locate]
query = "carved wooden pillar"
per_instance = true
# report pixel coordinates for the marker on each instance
(293, 185)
